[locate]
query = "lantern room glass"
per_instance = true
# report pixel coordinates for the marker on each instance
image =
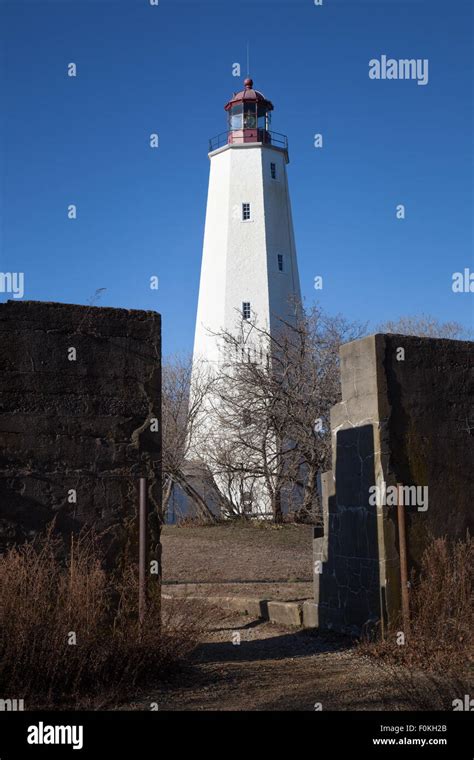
(250, 115)
(235, 117)
(263, 118)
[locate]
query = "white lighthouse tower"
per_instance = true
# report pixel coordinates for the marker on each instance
(249, 256)
(249, 269)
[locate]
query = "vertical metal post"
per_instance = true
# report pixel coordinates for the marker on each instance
(142, 550)
(402, 542)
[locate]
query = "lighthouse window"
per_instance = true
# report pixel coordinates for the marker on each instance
(245, 211)
(250, 116)
(273, 171)
(263, 117)
(280, 262)
(246, 310)
(236, 117)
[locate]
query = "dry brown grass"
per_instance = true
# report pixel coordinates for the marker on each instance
(435, 663)
(44, 602)
(442, 625)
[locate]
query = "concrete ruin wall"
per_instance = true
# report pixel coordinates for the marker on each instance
(81, 425)
(406, 416)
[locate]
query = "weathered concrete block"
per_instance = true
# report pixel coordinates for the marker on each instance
(285, 613)
(404, 418)
(310, 615)
(75, 435)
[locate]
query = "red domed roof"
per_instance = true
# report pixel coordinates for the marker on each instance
(249, 95)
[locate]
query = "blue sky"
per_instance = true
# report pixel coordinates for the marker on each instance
(168, 69)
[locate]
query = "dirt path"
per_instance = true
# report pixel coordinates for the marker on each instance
(274, 668)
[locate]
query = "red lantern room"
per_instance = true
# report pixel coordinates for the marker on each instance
(249, 115)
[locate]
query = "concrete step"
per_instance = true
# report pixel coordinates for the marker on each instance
(291, 614)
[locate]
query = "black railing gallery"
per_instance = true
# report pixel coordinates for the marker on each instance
(272, 138)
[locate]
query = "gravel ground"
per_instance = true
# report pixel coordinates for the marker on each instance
(274, 668)
(249, 664)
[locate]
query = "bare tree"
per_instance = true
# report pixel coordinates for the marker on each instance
(274, 393)
(307, 363)
(247, 451)
(257, 427)
(425, 326)
(182, 416)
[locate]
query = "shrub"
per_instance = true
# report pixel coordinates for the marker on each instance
(435, 663)
(47, 603)
(442, 613)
